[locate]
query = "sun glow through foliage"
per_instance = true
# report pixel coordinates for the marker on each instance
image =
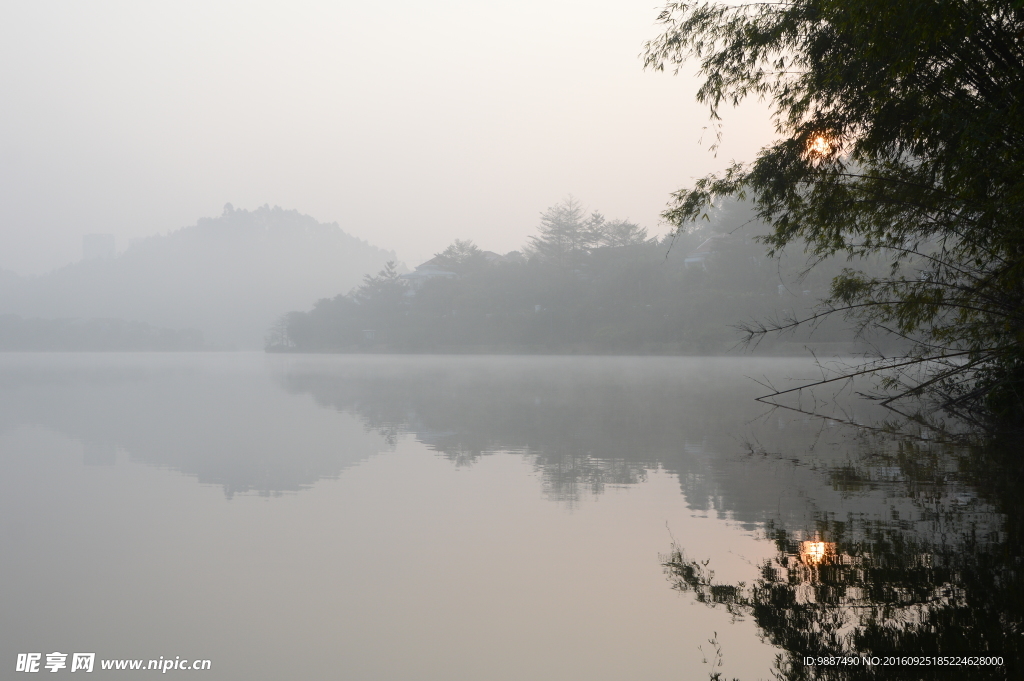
(819, 146)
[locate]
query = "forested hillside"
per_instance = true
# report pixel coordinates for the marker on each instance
(228, 277)
(582, 284)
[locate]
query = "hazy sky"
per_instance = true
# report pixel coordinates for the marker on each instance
(409, 123)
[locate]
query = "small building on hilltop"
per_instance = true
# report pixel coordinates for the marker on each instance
(424, 273)
(699, 256)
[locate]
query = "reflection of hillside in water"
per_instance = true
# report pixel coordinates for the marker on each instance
(216, 417)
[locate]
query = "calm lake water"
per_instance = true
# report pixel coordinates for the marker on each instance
(375, 517)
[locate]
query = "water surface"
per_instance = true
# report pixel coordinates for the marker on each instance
(468, 517)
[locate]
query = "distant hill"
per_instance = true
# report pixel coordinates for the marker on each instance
(229, 277)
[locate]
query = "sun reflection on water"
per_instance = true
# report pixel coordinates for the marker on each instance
(815, 552)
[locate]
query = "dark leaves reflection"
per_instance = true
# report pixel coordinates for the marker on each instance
(949, 584)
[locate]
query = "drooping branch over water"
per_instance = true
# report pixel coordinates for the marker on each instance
(901, 137)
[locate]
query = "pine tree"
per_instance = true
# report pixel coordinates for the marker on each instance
(566, 234)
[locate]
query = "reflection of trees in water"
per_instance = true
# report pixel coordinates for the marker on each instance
(883, 547)
(579, 438)
(568, 475)
(950, 583)
(582, 429)
(585, 423)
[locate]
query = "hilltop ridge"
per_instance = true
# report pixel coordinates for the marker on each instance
(228, 276)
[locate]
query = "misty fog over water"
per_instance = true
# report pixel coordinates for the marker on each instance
(389, 517)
